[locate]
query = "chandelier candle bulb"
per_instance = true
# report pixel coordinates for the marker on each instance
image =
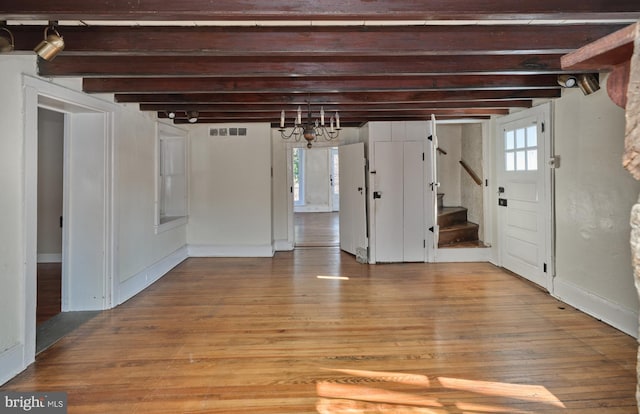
(282, 119)
(299, 118)
(322, 116)
(331, 124)
(337, 120)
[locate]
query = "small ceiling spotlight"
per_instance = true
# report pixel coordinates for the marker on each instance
(6, 44)
(52, 44)
(588, 83)
(567, 81)
(192, 116)
(171, 115)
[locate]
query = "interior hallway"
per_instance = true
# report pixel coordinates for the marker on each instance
(266, 335)
(317, 229)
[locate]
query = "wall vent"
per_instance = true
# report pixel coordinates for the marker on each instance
(223, 132)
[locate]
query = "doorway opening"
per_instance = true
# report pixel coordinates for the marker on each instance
(81, 281)
(461, 197)
(316, 194)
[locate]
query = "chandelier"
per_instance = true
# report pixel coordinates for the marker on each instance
(311, 130)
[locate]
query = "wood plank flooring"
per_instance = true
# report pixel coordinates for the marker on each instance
(49, 291)
(266, 335)
(317, 229)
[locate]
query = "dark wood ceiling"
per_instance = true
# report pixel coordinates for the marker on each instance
(371, 60)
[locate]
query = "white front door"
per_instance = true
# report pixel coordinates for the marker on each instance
(524, 193)
(353, 214)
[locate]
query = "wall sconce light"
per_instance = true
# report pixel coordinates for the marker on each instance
(192, 116)
(51, 45)
(171, 115)
(567, 81)
(6, 44)
(588, 83)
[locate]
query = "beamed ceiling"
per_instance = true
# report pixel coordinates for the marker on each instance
(245, 61)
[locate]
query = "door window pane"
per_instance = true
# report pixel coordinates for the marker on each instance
(532, 160)
(509, 140)
(532, 136)
(520, 161)
(520, 140)
(509, 161)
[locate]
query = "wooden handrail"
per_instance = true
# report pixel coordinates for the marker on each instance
(471, 173)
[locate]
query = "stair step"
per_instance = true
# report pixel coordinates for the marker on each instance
(449, 216)
(461, 232)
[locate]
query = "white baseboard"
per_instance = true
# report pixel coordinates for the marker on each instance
(49, 257)
(613, 314)
(11, 363)
(203, 250)
(143, 279)
(282, 246)
(444, 255)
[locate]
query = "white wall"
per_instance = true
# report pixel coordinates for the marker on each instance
(50, 162)
(12, 222)
(230, 192)
(594, 195)
(471, 194)
(138, 247)
(138, 250)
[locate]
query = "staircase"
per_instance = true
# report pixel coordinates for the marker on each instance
(455, 230)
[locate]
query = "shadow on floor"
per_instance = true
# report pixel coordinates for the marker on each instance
(56, 328)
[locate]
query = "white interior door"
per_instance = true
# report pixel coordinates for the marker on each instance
(335, 178)
(413, 202)
(353, 219)
(85, 229)
(388, 201)
(523, 194)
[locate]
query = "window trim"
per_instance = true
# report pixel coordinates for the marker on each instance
(165, 223)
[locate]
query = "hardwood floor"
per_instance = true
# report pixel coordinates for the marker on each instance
(317, 229)
(266, 335)
(49, 291)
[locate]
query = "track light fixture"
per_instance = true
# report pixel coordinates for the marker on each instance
(52, 44)
(7, 44)
(192, 116)
(588, 83)
(567, 81)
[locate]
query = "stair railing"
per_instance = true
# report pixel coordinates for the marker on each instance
(471, 173)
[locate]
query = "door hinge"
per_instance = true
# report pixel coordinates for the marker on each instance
(423, 156)
(432, 229)
(60, 221)
(486, 183)
(291, 189)
(542, 126)
(544, 268)
(424, 244)
(430, 137)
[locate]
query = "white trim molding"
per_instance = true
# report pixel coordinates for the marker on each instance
(600, 308)
(11, 362)
(203, 250)
(145, 278)
(282, 246)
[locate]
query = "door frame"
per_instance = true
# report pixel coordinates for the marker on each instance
(289, 146)
(39, 93)
(542, 113)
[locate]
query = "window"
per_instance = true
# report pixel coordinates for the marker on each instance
(298, 177)
(521, 149)
(171, 196)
